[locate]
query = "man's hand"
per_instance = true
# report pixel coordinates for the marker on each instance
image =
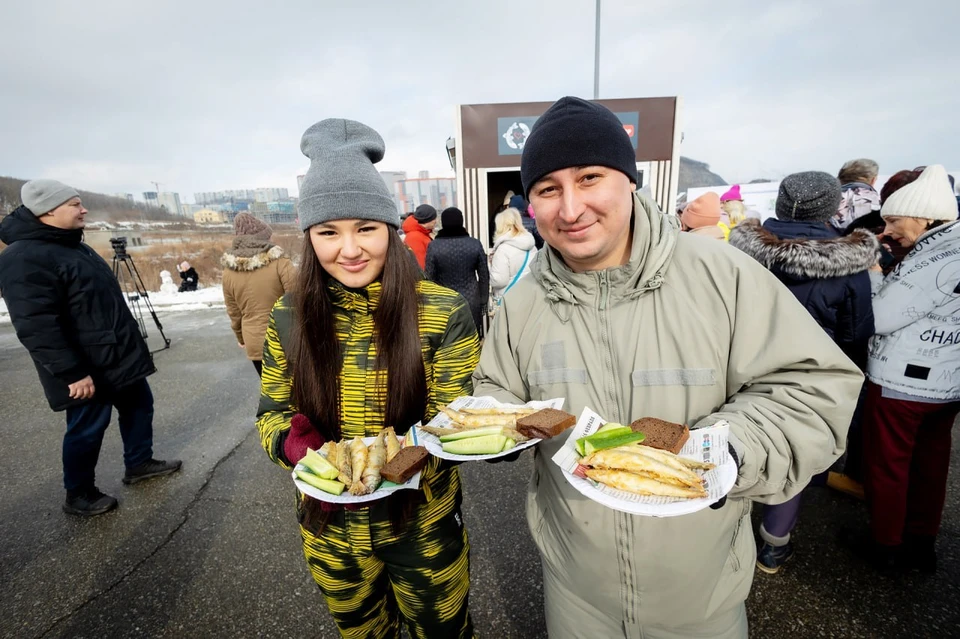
(82, 389)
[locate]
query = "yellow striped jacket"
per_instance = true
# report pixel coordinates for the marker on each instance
(450, 347)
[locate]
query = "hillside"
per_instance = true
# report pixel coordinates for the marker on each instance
(695, 173)
(102, 207)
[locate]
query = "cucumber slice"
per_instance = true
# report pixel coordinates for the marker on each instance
(609, 426)
(326, 485)
(472, 432)
(509, 444)
(579, 443)
(486, 445)
(601, 436)
(319, 466)
(592, 446)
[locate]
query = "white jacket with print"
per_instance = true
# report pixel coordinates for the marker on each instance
(916, 349)
(508, 254)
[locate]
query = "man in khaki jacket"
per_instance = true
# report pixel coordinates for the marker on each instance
(626, 315)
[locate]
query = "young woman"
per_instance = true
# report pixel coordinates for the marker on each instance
(256, 273)
(514, 248)
(363, 343)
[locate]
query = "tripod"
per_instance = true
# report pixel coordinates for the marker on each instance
(132, 286)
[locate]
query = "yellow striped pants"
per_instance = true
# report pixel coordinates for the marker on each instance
(374, 579)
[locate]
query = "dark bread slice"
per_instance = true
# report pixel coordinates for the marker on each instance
(545, 423)
(405, 464)
(661, 433)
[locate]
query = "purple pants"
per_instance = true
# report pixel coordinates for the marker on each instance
(780, 519)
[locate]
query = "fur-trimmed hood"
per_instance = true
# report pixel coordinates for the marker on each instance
(236, 260)
(810, 253)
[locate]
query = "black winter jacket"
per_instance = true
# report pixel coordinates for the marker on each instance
(457, 261)
(68, 310)
(826, 272)
(531, 225)
(190, 280)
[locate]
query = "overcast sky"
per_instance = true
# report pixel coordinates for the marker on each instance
(205, 95)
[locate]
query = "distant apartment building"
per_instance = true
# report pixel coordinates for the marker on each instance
(150, 197)
(124, 196)
(221, 197)
(391, 178)
(286, 206)
(209, 216)
(424, 175)
(169, 201)
(280, 212)
(437, 192)
(270, 195)
(188, 210)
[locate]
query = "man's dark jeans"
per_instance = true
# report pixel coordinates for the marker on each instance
(87, 423)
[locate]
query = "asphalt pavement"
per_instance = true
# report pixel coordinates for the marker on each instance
(214, 551)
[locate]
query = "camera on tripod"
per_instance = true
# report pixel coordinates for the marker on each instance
(128, 276)
(119, 245)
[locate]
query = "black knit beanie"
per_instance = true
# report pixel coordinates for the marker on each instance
(425, 213)
(575, 132)
(451, 218)
(811, 196)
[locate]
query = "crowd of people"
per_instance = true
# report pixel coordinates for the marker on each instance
(832, 327)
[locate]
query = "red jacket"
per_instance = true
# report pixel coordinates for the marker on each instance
(417, 238)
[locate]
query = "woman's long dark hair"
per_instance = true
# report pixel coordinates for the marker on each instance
(316, 358)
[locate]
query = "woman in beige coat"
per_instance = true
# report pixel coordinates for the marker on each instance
(256, 274)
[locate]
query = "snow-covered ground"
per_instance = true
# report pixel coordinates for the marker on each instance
(211, 297)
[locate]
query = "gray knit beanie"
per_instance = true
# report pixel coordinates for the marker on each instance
(342, 183)
(42, 196)
(811, 196)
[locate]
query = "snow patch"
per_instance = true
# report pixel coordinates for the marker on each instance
(199, 300)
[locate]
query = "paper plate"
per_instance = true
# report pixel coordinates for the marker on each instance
(432, 442)
(705, 444)
(385, 489)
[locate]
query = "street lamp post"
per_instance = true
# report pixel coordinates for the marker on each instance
(596, 59)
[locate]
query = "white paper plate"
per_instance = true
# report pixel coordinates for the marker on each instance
(385, 489)
(432, 442)
(705, 444)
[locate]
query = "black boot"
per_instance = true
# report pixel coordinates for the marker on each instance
(151, 468)
(88, 502)
(884, 559)
(921, 553)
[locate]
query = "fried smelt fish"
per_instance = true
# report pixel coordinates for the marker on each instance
(343, 463)
(392, 443)
(358, 460)
(329, 451)
(515, 435)
(669, 458)
(376, 458)
(636, 484)
(517, 411)
(619, 459)
(439, 432)
(479, 421)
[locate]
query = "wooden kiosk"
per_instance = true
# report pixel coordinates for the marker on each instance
(490, 137)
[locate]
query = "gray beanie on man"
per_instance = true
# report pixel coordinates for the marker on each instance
(42, 196)
(342, 183)
(811, 196)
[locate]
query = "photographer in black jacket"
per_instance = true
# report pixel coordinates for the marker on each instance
(70, 314)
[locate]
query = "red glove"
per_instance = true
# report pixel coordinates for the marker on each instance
(301, 436)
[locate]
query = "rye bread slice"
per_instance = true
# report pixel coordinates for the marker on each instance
(405, 464)
(545, 423)
(661, 433)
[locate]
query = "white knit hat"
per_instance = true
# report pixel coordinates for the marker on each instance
(929, 197)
